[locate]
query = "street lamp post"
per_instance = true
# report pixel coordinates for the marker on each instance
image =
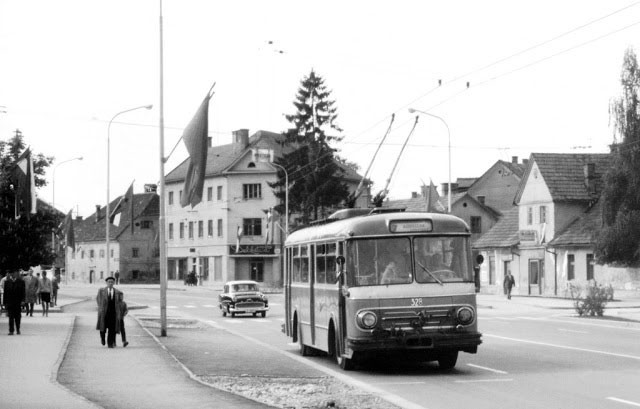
(412, 110)
(53, 200)
(106, 216)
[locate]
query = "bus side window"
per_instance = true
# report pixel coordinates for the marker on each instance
(331, 263)
(320, 263)
(296, 265)
(304, 264)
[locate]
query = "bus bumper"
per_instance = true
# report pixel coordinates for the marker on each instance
(467, 342)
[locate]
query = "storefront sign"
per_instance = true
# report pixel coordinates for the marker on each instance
(528, 235)
(251, 249)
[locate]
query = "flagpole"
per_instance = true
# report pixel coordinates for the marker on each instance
(161, 239)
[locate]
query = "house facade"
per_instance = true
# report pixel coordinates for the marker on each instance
(233, 233)
(133, 243)
(556, 189)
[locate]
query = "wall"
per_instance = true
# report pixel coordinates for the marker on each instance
(499, 186)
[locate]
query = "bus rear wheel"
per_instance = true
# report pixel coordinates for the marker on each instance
(447, 360)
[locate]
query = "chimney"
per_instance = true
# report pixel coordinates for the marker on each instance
(414, 195)
(98, 207)
(481, 199)
(240, 140)
(525, 162)
(78, 218)
(445, 188)
(590, 177)
(514, 160)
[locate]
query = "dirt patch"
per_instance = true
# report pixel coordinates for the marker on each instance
(298, 393)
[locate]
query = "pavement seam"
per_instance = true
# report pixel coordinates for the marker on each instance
(56, 367)
(187, 370)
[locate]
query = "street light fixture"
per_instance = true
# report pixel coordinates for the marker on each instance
(411, 111)
(106, 216)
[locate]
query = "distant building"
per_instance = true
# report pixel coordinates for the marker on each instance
(134, 255)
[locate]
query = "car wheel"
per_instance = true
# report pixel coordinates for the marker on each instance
(263, 313)
(233, 314)
(447, 360)
(255, 314)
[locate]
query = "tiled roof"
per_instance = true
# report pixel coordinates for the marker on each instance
(503, 234)
(221, 157)
(564, 175)
(90, 229)
(517, 168)
(464, 183)
(583, 230)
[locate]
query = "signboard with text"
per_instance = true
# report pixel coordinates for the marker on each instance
(252, 249)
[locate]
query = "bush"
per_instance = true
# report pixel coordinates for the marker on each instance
(591, 298)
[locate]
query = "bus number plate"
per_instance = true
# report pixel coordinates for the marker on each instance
(416, 302)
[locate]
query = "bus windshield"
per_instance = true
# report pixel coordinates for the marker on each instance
(441, 259)
(379, 261)
(387, 261)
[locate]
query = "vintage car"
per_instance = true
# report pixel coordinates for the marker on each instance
(243, 297)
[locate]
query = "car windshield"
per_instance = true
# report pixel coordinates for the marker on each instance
(238, 288)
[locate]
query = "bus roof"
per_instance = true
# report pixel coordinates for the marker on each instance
(376, 224)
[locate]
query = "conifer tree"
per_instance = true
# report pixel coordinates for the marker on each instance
(619, 240)
(24, 242)
(314, 174)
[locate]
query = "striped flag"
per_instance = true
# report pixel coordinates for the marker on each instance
(68, 230)
(239, 234)
(269, 234)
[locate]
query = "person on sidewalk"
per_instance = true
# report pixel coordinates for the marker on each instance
(117, 275)
(31, 286)
(123, 313)
(14, 293)
(44, 289)
(39, 298)
(508, 284)
(108, 300)
(55, 285)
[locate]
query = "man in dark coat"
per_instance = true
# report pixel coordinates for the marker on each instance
(14, 294)
(109, 314)
(508, 284)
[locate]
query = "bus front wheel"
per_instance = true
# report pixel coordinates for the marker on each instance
(346, 364)
(447, 360)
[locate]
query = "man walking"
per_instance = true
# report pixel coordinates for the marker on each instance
(109, 317)
(509, 283)
(14, 294)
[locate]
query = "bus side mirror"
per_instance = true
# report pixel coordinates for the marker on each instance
(476, 271)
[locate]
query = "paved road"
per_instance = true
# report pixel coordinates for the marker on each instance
(530, 358)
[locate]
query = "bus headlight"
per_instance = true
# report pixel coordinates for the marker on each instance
(465, 315)
(366, 319)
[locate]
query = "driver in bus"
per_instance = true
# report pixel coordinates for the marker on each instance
(393, 274)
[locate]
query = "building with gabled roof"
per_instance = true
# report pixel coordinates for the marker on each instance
(133, 243)
(233, 234)
(556, 188)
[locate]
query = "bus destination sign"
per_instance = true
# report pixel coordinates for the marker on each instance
(410, 226)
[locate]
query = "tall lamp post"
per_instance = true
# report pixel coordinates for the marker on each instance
(412, 110)
(53, 200)
(106, 216)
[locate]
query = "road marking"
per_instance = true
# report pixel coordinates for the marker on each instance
(172, 306)
(486, 380)
(628, 402)
(581, 321)
(594, 351)
(398, 383)
(210, 306)
(190, 306)
(573, 330)
(488, 369)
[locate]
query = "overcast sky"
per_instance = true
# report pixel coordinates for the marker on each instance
(541, 75)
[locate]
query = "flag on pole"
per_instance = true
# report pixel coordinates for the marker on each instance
(239, 234)
(269, 234)
(195, 138)
(433, 199)
(69, 235)
(24, 183)
(127, 200)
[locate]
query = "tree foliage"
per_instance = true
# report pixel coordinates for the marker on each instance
(619, 241)
(24, 242)
(311, 163)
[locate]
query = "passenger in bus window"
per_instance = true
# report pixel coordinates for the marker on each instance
(395, 274)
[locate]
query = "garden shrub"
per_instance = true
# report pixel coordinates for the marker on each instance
(591, 298)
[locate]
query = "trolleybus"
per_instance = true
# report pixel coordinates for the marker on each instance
(382, 282)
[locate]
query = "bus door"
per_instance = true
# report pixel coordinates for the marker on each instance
(287, 291)
(312, 293)
(341, 330)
